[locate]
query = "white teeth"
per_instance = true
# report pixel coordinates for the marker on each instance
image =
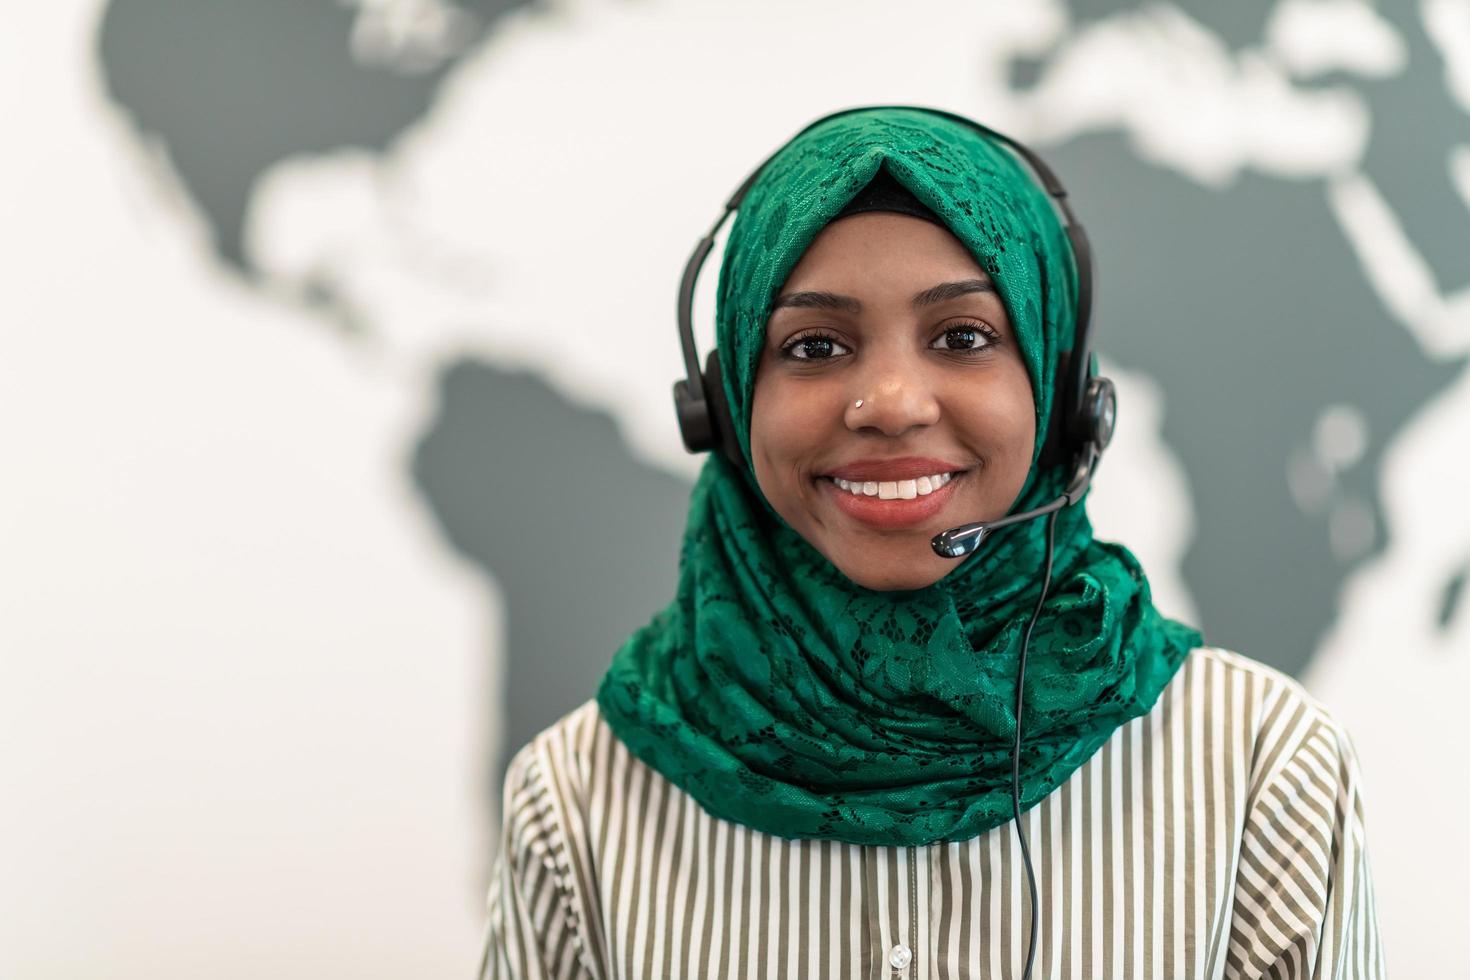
(895, 489)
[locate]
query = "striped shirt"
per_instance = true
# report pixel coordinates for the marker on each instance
(1218, 835)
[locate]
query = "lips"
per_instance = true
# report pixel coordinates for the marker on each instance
(890, 514)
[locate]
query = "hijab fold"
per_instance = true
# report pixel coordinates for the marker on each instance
(782, 695)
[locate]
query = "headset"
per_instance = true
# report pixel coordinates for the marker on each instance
(1080, 430)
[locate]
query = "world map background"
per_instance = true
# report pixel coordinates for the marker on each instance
(339, 325)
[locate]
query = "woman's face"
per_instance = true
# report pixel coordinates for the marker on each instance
(892, 310)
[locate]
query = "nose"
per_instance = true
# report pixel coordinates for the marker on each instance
(892, 403)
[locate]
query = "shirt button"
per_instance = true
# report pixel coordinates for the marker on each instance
(900, 956)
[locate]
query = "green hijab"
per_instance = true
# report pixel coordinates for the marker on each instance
(782, 695)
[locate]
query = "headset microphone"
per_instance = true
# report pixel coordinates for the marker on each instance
(960, 541)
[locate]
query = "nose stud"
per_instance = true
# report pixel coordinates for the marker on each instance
(858, 403)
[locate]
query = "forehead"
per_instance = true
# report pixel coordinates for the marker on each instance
(879, 259)
(879, 252)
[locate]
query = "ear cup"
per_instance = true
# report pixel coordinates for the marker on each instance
(1088, 426)
(695, 426)
(723, 426)
(1064, 441)
(1098, 413)
(706, 425)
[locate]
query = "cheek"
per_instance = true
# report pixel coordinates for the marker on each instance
(1001, 417)
(785, 428)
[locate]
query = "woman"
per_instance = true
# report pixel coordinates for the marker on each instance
(803, 766)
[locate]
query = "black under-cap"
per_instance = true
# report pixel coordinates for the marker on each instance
(885, 193)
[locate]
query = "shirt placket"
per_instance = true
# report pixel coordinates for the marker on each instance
(918, 914)
(894, 878)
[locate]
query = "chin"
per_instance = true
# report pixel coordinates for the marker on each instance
(890, 578)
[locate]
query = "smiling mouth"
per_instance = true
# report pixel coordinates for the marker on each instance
(894, 489)
(893, 505)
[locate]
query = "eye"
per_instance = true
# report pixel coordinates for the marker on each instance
(967, 338)
(813, 347)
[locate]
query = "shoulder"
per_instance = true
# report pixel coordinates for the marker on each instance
(546, 896)
(559, 759)
(556, 789)
(1272, 699)
(1303, 897)
(1262, 714)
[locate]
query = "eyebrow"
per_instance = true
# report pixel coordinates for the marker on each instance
(848, 304)
(952, 290)
(818, 301)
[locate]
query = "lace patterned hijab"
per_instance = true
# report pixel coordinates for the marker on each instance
(781, 695)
